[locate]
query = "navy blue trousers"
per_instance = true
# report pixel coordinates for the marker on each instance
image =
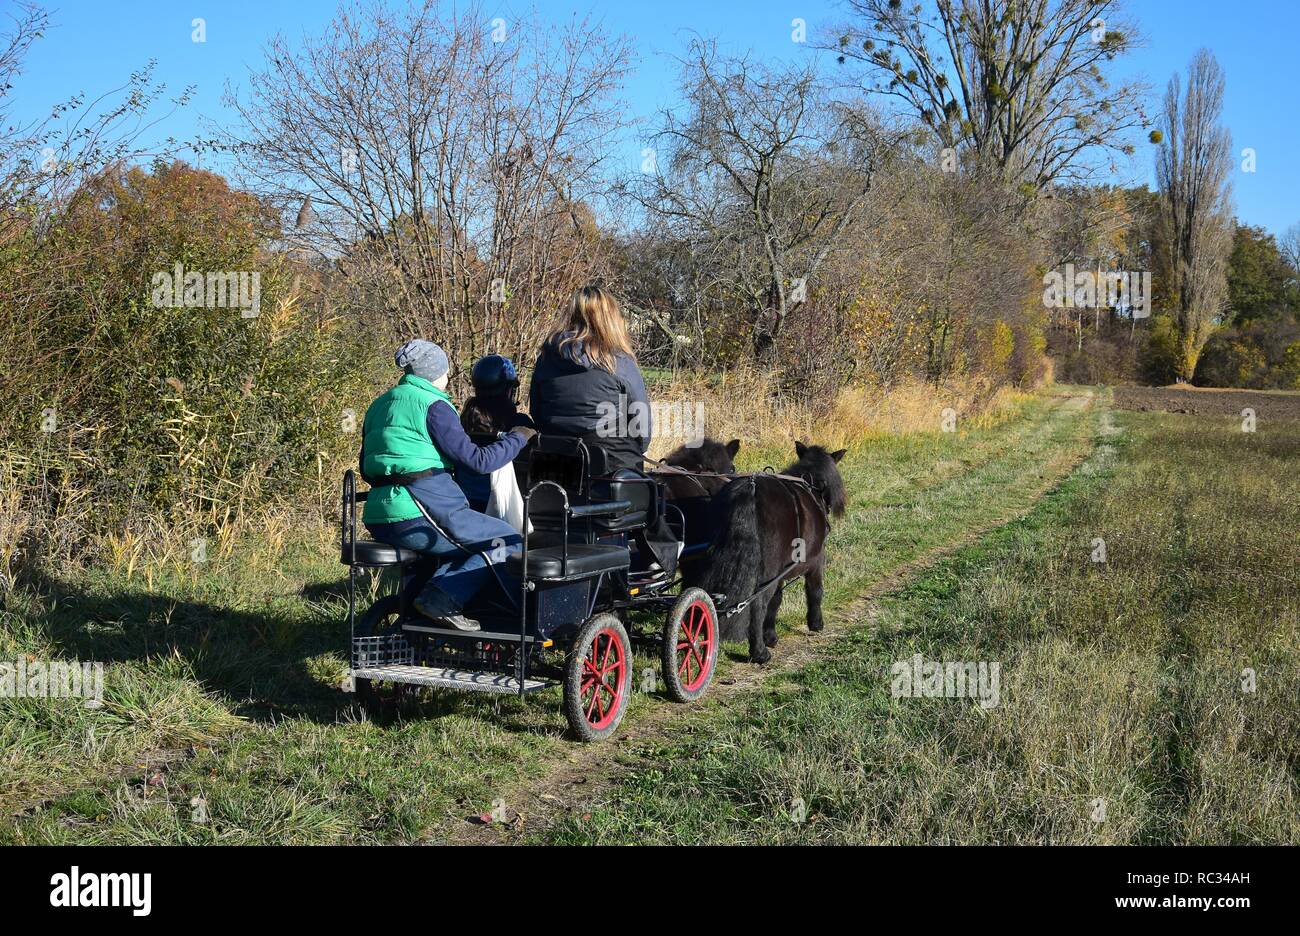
(465, 541)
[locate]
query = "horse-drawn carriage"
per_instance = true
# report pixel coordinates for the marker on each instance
(589, 588)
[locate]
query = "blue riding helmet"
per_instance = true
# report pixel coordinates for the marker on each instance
(494, 375)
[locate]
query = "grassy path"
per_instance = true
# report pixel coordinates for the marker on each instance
(222, 722)
(1147, 698)
(913, 501)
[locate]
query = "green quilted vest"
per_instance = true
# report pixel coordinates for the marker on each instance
(395, 436)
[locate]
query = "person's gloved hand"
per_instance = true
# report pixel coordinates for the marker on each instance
(526, 431)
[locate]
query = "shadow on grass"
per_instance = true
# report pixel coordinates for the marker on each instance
(259, 659)
(325, 591)
(285, 660)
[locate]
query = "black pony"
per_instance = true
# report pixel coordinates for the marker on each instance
(710, 456)
(692, 494)
(767, 528)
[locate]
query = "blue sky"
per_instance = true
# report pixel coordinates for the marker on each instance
(95, 45)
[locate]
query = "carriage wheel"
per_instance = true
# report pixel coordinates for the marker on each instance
(382, 617)
(690, 645)
(597, 677)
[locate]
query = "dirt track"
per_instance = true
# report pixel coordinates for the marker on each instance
(1198, 402)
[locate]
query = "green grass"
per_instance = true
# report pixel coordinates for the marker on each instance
(1122, 715)
(222, 687)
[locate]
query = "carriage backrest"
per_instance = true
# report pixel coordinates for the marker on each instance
(562, 460)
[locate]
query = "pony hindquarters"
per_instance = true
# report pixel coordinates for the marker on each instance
(758, 543)
(731, 566)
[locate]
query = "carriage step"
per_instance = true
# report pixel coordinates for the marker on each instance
(448, 678)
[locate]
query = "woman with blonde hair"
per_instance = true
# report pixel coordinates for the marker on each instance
(586, 382)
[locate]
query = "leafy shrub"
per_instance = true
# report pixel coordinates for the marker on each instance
(111, 404)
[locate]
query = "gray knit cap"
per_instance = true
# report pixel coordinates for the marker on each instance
(422, 358)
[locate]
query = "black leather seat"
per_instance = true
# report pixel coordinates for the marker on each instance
(545, 562)
(370, 553)
(637, 489)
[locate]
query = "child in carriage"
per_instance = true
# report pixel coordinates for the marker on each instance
(412, 441)
(493, 409)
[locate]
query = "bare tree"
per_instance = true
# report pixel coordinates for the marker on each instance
(761, 173)
(1192, 171)
(1289, 245)
(1017, 88)
(452, 161)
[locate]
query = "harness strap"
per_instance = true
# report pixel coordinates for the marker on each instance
(669, 468)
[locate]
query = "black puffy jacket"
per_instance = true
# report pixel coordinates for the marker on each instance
(570, 395)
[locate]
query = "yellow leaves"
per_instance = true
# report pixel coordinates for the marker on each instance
(1002, 343)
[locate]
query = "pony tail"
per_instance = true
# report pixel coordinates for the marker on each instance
(736, 554)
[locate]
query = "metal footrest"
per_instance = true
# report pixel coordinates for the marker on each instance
(449, 678)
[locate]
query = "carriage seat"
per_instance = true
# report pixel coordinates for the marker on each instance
(376, 555)
(585, 559)
(634, 487)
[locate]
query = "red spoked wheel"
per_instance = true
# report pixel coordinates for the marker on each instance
(597, 678)
(690, 645)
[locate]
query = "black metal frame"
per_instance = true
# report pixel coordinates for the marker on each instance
(348, 534)
(526, 584)
(586, 512)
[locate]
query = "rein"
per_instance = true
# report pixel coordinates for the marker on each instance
(669, 468)
(664, 467)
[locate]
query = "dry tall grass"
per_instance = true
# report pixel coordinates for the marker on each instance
(746, 404)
